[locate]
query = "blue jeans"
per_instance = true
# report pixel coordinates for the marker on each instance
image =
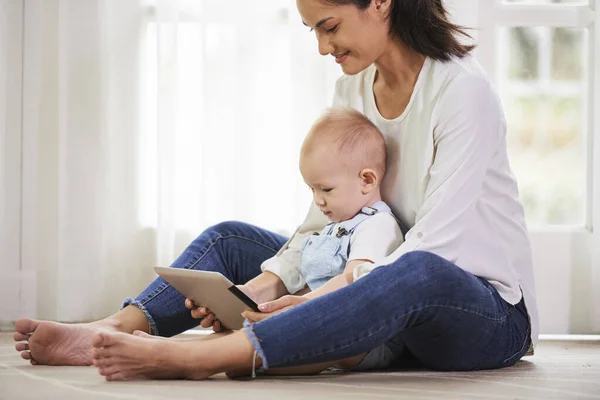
(234, 249)
(445, 317)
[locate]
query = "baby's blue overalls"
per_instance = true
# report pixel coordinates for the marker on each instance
(325, 254)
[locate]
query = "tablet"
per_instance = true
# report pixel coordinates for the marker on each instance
(211, 290)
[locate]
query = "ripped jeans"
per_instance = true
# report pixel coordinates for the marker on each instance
(444, 317)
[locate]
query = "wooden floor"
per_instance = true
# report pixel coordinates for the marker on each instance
(560, 370)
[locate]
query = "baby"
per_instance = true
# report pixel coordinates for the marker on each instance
(343, 161)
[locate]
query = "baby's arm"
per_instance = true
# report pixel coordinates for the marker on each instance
(373, 240)
(337, 282)
(350, 266)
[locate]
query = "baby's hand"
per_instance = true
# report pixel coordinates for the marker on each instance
(208, 318)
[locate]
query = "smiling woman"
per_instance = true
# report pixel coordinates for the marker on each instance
(352, 37)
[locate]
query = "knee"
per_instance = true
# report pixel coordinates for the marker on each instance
(424, 262)
(424, 269)
(222, 229)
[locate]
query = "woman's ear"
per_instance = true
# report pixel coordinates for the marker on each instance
(369, 180)
(382, 5)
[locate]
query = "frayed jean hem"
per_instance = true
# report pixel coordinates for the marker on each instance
(131, 301)
(256, 343)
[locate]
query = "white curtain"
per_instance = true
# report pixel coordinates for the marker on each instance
(10, 151)
(145, 122)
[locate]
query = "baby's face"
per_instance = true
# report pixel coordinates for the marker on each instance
(336, 187)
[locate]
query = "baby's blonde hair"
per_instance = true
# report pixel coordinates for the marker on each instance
(356, 137)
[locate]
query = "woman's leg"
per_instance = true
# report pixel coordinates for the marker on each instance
(120, 356)
(234, 249)
(446, 317)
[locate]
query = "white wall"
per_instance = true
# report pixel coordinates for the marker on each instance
(11, 18)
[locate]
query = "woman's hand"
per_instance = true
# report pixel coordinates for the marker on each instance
(203, 312)
(208, 318)
(274, 307)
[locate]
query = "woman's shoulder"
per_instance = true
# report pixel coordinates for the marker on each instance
(465, 72)
(462, 83)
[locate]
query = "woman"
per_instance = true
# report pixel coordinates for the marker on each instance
(458, 294)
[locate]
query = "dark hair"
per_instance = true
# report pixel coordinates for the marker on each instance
(423, 25)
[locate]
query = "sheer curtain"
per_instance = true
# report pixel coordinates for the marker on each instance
(11, 13)
(144, 122)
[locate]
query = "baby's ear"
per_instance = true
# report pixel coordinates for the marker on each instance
(369, 180)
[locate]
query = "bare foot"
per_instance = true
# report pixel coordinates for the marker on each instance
(239, 373)
(119, 356)
(145, 335)
(212, 336)
(53, 343)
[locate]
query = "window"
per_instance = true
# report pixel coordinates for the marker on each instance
(543, 58)
(544, 86)
(539, 53)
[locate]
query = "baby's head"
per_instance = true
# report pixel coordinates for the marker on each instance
(343, 162)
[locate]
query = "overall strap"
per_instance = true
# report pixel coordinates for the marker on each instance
(366, 212)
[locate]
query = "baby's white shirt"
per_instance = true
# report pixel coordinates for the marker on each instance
(375, 238)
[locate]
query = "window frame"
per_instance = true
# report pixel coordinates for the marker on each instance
(497, 14)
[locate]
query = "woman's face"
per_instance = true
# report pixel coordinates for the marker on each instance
(356, 38)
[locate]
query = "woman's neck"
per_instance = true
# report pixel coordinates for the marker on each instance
(398, 66)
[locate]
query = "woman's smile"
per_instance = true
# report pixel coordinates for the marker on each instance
(340, 58)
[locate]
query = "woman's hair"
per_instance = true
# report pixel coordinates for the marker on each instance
(423, 25)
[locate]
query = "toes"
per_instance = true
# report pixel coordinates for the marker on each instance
(22, 346)
(33, 362)
(25, 355)
(98, 339)
(99, 353)
(26, 325)
(19, 337)
(110, 370)
(119, 376)
(104, 339)
(103, 362)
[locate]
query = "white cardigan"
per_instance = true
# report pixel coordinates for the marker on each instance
(448, 180)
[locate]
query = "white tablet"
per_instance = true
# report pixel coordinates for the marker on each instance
(211, 290)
